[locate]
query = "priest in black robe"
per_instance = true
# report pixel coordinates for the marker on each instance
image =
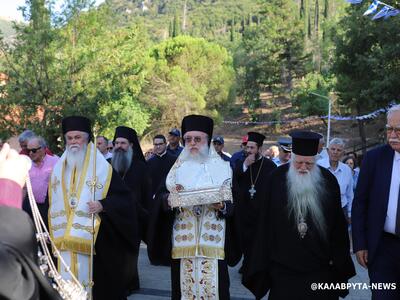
(128, 161)
(195, 237)
(302, 236)
(71, 202)
(160, 163)
(251, 177)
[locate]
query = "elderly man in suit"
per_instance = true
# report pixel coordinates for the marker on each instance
(376, 211)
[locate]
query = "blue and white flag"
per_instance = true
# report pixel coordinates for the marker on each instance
(392, 13)
(372, 8)
(354, 1)
(383, 12)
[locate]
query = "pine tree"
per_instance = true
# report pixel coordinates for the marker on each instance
(326, 9)
(232, 31)
(302, 11)
(316, 18)
(176, 27)
(171, 28)
(309, 32)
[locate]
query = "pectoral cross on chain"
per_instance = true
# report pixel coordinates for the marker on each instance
(252, 191)
(55, 183)
(93, 184)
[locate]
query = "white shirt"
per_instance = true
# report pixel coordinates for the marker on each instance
(227, 154)
(344, 177)
(278, 161)
(323, 155)
(107, 155)
(390, 222)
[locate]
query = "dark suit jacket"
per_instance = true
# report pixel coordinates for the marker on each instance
(20, 275)
(371, 199)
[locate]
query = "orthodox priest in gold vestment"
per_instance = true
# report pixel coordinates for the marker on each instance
(82, 184)
(190, 224)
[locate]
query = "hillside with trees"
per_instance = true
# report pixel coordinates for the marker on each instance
(6, 29)
(146, 64)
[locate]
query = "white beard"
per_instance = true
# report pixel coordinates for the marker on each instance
(199, 157)
(76, 156)
(304, 197)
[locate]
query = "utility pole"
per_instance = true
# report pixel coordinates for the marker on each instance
(328, 134)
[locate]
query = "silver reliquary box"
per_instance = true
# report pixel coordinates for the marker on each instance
(207, 195)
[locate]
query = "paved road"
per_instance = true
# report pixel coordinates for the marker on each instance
(156, 282)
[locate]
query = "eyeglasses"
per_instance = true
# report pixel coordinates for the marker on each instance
(34, 150)
(390, 129)
(158, 145)
(308, 164)
(189, 139)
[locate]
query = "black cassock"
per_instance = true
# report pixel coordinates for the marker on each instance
(160, 245)
(247, 208)
(137, 179)
(287, 264)
(116, 243)
(159, 167)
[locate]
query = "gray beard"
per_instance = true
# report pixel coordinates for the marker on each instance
(121, 160)
(305, 195)
(76, 158)
(200, 157)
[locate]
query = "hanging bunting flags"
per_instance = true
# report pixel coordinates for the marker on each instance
(382, 13)
(386, 12)
(392, 13)
(354, 1)
(371, 115)
(372, 8)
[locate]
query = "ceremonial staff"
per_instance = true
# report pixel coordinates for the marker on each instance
(93, 184)
(70, 289)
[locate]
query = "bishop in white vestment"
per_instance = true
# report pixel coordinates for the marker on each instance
(191, 215)
(83, 184)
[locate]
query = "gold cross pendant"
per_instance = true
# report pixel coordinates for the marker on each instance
(55, 183)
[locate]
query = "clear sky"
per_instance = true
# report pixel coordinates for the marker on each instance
(8, 8)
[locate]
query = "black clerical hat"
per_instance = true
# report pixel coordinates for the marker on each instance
(78, 123)
(198, 123)
(305, 142)
(131, 135)
(256, 137)
(125, 132)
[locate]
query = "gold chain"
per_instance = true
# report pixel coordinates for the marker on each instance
(251, 173)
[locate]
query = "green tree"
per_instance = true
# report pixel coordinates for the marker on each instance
(176, 27)
(86, 67)
(189, 75)
(274, 52)
(105, 67)
(304, 96)
(31, 95)
(367, 62)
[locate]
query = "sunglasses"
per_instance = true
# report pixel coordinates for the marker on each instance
(34, 150)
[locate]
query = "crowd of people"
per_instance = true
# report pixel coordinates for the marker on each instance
(286, 212)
